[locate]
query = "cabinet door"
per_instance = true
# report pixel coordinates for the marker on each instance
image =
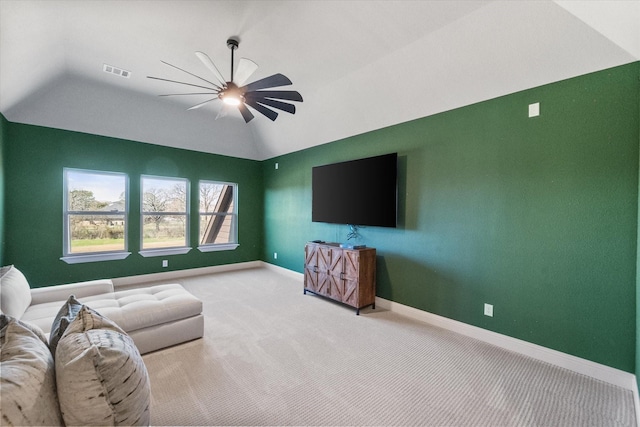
(311, 268)
(351, 275)
(310, 256)
(310, 280)
(366, 268)
(335, 271)
(324, 255)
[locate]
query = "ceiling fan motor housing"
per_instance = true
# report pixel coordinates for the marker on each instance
(231, 94)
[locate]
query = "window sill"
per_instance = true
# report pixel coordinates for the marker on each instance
(223, 247)
(78, 259)
(147, 253)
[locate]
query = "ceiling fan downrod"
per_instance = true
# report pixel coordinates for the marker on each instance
(232, 43)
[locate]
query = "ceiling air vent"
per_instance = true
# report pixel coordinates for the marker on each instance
(117, 71)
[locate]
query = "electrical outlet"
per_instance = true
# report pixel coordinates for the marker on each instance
(165, 263)
(275, 255)
(488, 310)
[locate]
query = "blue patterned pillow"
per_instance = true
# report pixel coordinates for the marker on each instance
(65, 316)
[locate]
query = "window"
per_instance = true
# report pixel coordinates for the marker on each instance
(218, 216)
(165, 215)
(95, 215)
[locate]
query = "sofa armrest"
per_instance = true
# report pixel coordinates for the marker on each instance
(62, 292)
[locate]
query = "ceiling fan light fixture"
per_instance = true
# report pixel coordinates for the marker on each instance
(230, 100)
(231, 95)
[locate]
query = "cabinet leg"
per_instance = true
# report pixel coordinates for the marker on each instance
(304, 292)
(357, 312)
(373, 306)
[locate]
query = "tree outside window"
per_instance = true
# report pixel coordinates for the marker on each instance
(164, 212)
(95, 212)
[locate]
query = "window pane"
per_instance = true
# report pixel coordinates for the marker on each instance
(95, 212)
(96, 233)
(218, 216)
(215, 197)
(215, 229)
(164, 195)
(162, 231)
(94, 191)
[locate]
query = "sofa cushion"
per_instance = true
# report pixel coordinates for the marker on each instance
(44, 313)
(65, 316)
(27, 378)
(15, 293)
(132, 309)
(79, 289)
(154, 305)
(100, 374)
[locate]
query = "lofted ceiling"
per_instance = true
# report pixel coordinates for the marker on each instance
(360, 65)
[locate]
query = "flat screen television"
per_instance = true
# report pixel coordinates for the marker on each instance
(356, 192)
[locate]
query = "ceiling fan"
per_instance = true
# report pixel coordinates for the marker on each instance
(233, 93)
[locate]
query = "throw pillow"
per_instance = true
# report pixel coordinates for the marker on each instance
(15, 293)
(65, 316)
(6, 319)
(100, 374)
(27, 378)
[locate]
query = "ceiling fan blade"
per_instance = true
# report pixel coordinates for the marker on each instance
(271, 81)
(290, 95)
(262, 109)
(211, 66)
(189, 93)
(246, 114)
(246, 68)
(183, 83)
(191, 74)
(202, 103)
(289, 108)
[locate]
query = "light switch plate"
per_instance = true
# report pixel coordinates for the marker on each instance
(534, 109)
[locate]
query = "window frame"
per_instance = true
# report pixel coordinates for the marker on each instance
(211, 247)
(168, 250)
(77, 258)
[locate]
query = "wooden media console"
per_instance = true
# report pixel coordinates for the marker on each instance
(344, 275)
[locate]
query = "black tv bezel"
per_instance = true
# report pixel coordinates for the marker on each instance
(360, 221)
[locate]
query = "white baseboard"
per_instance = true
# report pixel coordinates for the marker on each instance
(177, 274)
(283, 270)
(564, 360)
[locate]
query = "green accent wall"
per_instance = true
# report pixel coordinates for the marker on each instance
(3, 130)
(537, 216)
(34, 159)
(637, 371)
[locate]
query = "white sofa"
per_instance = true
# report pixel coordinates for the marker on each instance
(155, 317)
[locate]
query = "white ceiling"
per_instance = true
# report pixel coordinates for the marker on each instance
(360, 65)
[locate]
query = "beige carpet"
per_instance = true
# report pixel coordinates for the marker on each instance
(273, 356)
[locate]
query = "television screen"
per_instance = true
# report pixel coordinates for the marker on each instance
(356, 192)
